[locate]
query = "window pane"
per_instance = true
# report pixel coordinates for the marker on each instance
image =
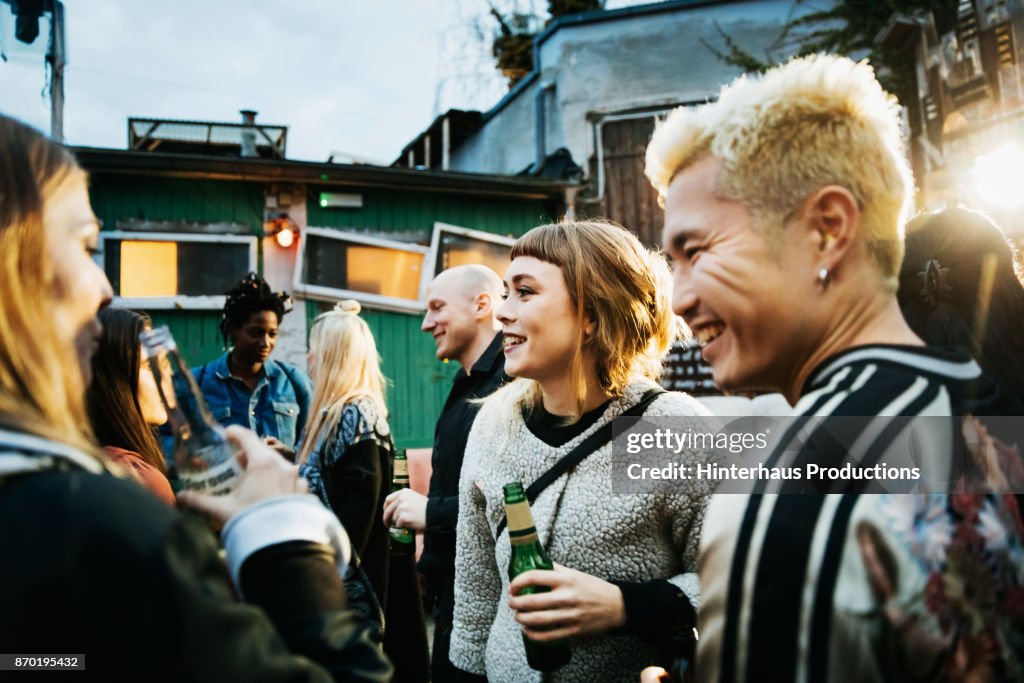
(457, 250)
(145, 268)
(388, 272)
(210, 268)
(338, 264)
(325, 262)
(149, 269)
(112, 264)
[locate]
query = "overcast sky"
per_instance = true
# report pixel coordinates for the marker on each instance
(361, 77)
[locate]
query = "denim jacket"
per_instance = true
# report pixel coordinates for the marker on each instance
(277, 407)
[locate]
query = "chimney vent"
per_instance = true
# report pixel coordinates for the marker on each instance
(249, 134)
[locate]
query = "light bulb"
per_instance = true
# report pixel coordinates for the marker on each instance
(285, 238)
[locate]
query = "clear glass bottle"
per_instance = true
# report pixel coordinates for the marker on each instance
(203, 458)
(403, 541)
(527, 554)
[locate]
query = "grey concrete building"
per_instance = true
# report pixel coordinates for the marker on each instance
(599, 80)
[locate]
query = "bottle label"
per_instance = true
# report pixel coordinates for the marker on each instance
(520, 523)
(216, 481)
(401, 468)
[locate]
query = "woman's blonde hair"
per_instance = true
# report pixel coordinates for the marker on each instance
(41, 385)
(814, 121)
(619, 284)
(347, 368)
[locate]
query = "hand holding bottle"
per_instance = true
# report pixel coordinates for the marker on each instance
(407, 509)
(575, 604)
(265, 475)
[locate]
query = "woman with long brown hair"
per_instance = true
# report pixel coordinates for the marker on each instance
(124, 404)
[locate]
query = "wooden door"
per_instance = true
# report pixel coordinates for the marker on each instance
(629, 198)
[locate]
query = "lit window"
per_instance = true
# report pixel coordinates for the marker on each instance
(148, 268)
(337, 265)
(164, 270)
(454, 246)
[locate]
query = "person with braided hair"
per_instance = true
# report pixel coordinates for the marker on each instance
(244, 386)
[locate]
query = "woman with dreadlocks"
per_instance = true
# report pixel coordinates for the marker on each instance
(244, 386)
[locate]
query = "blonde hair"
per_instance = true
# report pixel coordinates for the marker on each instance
(812, 122)
(41, 386)
(347, 368)
(620, 285)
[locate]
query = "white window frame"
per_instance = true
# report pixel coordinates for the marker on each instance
(375, 300)
(177, 302)
(435, 246)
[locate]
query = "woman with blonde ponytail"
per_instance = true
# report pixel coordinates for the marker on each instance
(586, 321)
(347, 456)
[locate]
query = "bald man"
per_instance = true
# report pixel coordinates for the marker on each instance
(461, 304)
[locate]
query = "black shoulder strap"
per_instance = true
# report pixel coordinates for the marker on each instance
(574, 457)
(202, 374)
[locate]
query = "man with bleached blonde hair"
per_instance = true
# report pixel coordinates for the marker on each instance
(784, 202)
(782, 136)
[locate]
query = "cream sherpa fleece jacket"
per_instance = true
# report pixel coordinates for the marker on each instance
(637, 537)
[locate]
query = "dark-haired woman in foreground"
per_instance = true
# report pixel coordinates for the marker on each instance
(92, 564)
(124, 404)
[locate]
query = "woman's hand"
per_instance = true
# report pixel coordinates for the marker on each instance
(578, 604)
(266, 474)
(406, 509)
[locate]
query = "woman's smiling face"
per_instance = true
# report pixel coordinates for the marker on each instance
(538, 321)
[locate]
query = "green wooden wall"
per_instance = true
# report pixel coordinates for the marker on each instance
(197, 333)
(120, 197)
(418, 383)
(391, 211)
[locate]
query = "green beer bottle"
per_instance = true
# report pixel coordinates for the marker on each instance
(403, 541)
(527, 554)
